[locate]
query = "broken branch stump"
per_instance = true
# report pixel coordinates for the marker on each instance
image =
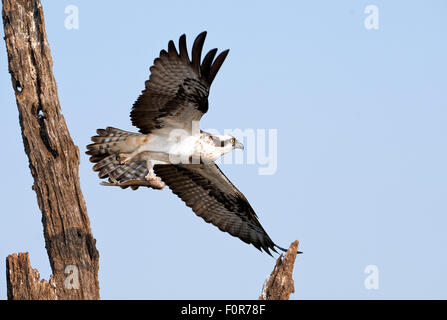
(279, 285)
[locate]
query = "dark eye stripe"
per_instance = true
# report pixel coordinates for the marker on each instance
(223, 143)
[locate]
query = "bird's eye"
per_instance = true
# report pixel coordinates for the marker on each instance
(233, 140)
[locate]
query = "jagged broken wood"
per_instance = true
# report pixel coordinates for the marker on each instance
(279, 285)
(54, 163)
(24, 283)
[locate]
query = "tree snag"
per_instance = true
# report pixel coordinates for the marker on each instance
(54, 163)
(279, 285)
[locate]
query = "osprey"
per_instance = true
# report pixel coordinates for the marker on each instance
(171, 149)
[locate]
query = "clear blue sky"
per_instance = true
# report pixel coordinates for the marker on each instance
(361, 119)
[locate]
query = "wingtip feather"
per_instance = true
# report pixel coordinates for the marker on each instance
(183, 48)
(172, 50)
(197, 51)
(217, 64)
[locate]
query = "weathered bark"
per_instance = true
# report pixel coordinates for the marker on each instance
(279, 285)
(54, 162)
(23, 282)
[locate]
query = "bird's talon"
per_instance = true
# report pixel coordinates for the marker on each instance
(150, 177)
(155, 181)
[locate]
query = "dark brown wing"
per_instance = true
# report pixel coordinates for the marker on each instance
(210, 194)
(177, 91)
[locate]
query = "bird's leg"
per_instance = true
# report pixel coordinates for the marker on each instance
(151, 177)
(150, 168)
(125, 158)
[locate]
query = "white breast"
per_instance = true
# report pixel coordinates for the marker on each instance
(181, 145)
(207, 149)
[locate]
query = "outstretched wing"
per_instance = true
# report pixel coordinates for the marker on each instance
(176, 93)
(210, 194)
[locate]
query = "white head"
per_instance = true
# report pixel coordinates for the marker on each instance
(226, 143)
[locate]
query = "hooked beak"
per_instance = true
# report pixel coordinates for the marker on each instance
(238, 145)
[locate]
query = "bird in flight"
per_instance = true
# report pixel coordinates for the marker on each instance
(172, 150)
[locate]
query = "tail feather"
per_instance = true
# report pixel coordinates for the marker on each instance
(104, 152)
(134, 171)
(108, 141)
(110, 159)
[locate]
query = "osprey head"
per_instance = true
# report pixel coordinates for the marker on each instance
(226, 143)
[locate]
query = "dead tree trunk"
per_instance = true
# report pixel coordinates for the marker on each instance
(279, 285)
(54, 162)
